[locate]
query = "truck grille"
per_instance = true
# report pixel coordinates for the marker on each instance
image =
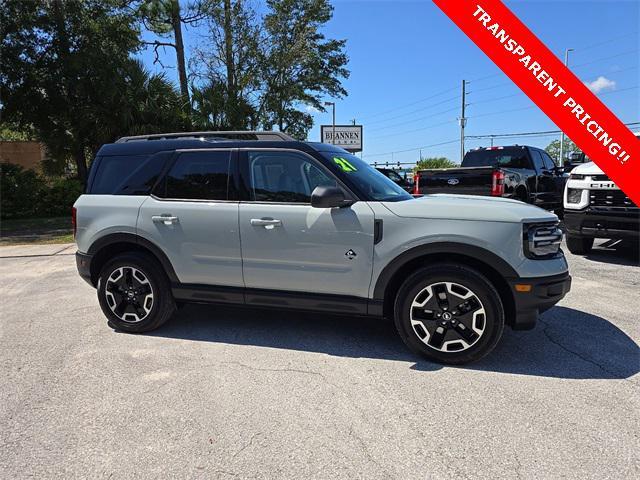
(611, 200)
(600, 178)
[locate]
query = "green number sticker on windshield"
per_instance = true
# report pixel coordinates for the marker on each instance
(344, 164)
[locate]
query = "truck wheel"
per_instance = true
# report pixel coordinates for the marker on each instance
(449, 313)
(134, 293)
(579, 245)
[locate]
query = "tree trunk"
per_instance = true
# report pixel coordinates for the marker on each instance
(230, 66)
(176, 24)
(81, 165)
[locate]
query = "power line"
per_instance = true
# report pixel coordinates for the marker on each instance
(414, 120)
(412, 103)
(415, 111)
(417, 129)
(527, 134)
(412, 149)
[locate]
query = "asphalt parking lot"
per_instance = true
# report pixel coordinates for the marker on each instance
(238, 393)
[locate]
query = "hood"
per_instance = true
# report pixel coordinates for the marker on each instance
(588, 168)
(469, 207)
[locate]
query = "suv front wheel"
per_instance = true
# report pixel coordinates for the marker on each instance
(134, 293)
(449, 313)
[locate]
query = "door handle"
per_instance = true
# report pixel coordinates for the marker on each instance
(166, 219)
(268, 223)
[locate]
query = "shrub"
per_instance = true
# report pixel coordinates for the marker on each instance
(59, 197)
(25, 194)
(20, 191)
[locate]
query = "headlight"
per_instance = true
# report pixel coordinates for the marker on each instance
(542, 240)
(574, 195)
(577, 176)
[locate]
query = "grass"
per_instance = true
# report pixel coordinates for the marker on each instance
(41, 231)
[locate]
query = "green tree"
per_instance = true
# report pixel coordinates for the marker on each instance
(227, 66)
(165, 18)
(553, 149)
(58, 60)
(434, 162)
(299, 65)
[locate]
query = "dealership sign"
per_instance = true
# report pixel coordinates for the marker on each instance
(348, 137)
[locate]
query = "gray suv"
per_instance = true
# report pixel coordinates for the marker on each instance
(258, 219)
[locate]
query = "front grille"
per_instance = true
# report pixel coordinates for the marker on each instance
(600, 178)
(611, 199)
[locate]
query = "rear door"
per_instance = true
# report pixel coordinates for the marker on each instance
(289, 246)
(192, 216)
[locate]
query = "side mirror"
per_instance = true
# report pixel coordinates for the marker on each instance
(328, 197)
(559, 170)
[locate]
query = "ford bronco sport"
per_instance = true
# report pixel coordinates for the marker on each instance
(258, 219)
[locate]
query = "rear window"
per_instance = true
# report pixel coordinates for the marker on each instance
(506, 157)
(113, 171)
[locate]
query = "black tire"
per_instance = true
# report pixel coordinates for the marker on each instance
(579, 245)
(486, 314)
(161, 306)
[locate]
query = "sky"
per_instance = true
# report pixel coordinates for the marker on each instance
(407, 62)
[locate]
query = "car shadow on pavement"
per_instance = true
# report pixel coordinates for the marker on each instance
(618, 252)
(566, 343)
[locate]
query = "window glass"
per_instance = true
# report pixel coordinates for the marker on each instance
(284, 177)
(548, 161)
(367, 179)
(504, 157)
(113, 170)
(199, 176)
(537, 160)
(141, 181)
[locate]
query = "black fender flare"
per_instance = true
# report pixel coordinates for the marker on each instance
(113, 238)
(438, 248)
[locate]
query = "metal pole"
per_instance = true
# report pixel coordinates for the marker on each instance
(566, 64)
(334, 122)
(463, 121)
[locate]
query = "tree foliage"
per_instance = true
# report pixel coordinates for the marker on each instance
(553, 149)
(256, 72)
(434, 162)
(67, 75)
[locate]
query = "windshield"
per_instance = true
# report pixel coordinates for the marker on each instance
(367, 179)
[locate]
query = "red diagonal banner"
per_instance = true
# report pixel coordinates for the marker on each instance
(552, 87)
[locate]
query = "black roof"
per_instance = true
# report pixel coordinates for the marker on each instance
(159, 145)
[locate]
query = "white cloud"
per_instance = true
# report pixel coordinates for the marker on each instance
(601, 84)
(311, 109)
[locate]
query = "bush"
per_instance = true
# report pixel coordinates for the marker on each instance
(60, 196)
(25, 194)
(21, 191)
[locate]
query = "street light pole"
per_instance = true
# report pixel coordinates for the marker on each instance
(566, 64)
(333, 122)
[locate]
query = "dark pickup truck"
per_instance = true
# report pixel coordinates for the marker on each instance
(521, 172)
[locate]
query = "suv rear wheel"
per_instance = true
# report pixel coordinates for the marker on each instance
(449, 313)
(579, 245)
(134, 293)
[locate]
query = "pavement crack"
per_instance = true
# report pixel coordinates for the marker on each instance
(289, 370)
(247, 445)
(613, 374)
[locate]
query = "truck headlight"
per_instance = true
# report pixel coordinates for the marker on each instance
(574, 195)
(542, 240)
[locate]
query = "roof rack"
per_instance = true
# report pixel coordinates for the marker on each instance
(221, 135)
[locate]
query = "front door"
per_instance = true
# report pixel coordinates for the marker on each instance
(289, 246)
(193, 217)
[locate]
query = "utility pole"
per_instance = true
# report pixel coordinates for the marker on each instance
(463, 120)
(333, 122)
(566, 64)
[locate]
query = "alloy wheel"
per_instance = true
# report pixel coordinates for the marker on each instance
(448, 317)
(129, 294)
